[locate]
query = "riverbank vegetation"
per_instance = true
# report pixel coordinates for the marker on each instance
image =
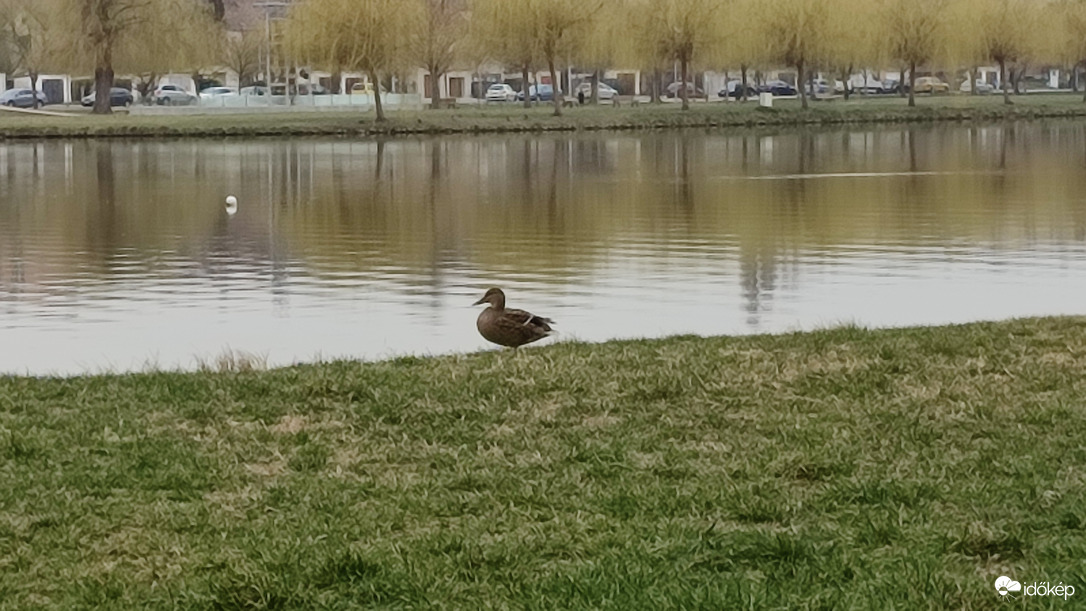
(835, 468)
(511, 118)
(388, 41)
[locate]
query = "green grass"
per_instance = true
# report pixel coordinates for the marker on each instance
(844, 468)
(512, 118)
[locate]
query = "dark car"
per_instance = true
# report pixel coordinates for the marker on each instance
(734, 89)
(23, 98)
(118, 96)
(893, 86)
(541, 93)
(778, 88)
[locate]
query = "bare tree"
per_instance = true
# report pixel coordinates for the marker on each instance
(241, 53)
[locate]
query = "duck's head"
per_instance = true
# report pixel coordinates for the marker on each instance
(495, 297)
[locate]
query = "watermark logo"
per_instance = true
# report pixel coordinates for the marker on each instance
(1005, 586)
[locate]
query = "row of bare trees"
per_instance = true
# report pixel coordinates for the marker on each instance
(384, 37)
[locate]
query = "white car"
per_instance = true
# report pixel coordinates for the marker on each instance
(500, 92)
(603, 90)
(217, 92)
(982, 87)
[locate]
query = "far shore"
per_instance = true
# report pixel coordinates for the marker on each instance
(513, 118)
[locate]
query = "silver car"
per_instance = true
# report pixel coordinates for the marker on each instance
(23, 98)
(173, 95)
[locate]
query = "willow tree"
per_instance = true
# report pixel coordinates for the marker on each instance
(1009, 29)
(29, 27)
(369, 36)
(107, 35)
(506, 30)
(560, 25)
(601, 45)
(676, 30)
(434, 42)
(179, 37)
(796, 33)
(1072, 40)
(743, 46)
(913, 33)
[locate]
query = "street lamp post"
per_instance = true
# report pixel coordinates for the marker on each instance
(268, 6)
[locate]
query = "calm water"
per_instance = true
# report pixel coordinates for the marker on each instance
(120, 255)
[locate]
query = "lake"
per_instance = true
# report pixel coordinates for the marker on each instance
(120, 255)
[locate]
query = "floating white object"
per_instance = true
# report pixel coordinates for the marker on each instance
(231, 200)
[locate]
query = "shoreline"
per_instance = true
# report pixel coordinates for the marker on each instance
(538, 119)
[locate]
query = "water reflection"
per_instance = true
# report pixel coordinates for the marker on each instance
(116, 253)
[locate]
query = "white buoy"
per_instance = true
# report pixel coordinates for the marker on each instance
(231, 204)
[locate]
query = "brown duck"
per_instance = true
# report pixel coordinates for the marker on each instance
(509, 327)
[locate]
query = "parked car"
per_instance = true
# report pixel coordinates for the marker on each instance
(172, 95)
(692, 91)
(118, 96)
(870, 86)
(931, 84)
(23, 98)
(212, 93)
(891, 86)
(500, 92)
(539, 93)
(734, 89)
(778, 88)
(823, 87)
(256, 90)
(981, 87)
(603, 90)
(366, 88)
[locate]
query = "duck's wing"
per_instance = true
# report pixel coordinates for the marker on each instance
(527, 319)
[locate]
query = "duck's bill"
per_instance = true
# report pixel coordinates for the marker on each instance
(483, 300)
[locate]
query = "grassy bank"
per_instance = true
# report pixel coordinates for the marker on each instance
(836, 469)
(510, 118)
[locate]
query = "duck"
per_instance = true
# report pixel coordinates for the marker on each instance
(507, 326)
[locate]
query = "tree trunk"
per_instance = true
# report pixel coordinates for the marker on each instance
(554, 88)
(1075, 81)
(377, 95)
(743, 78)
(655, 91)
(103, 81)
(801, 85)
(846, 78)
(435, 89)
(901, 83)
(595, 87)
(682, 84)
(1003, 81)
(524, 86)
(912, 84)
